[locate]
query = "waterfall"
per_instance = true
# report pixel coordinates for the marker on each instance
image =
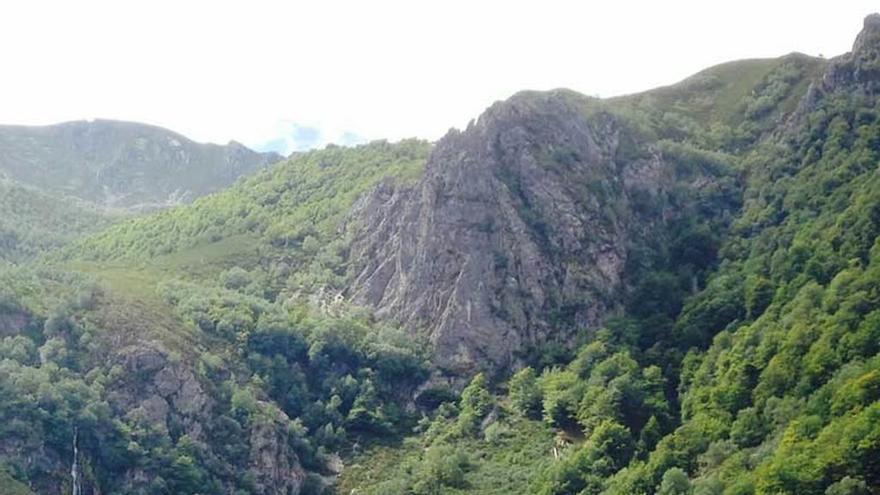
(74, 468)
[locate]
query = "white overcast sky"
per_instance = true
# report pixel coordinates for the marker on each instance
(305, 73)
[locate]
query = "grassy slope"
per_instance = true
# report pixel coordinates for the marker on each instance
(308, 195)
(717, 94)
(9, 486)
(32, 221)
(504, 466)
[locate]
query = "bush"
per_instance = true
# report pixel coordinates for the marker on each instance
(525, 395)
(443, 466)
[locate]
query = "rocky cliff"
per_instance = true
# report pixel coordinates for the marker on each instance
(145, 380)
(519, 232)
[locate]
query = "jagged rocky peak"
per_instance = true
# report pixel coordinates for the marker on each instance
(517, 233)
(860, 68)
(869, 39)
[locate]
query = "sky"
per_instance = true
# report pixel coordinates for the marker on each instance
(291, 75)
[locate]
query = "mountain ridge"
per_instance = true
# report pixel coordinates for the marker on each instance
(671, 292)
(122, 165)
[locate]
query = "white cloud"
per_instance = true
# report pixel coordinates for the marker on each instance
(217, 71)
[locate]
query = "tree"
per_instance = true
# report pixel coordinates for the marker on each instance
(748, 430)
(525, 395)
(614, 442)
(476, 402)
(235, 278)
(675, 482)
(848, 486)
(443, 466)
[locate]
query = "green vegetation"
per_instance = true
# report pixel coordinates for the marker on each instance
(10, 486)
(275, 361)
(728, 105)
(502, 457)
(197, 349)
(32, 222)
(297, 207)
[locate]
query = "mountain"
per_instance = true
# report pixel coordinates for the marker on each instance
(668, 292)
(525, 227)
(122, 165)
(520, 231)
(762, 379)
(64, 181)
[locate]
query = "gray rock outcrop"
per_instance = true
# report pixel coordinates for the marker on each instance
(517, 234)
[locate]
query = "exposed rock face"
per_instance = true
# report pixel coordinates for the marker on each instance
(122, 164)
(856, 72)
(165, 392)
(159, 391)
(516, 235)
(273, 463)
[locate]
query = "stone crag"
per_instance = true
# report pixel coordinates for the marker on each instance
(518, 232)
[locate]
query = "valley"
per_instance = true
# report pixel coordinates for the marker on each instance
(671, 292)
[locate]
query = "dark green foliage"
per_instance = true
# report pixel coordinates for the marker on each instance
(675, 482)
(442, 467)
(786, 320)
(608, 449)
(747, 358)
(476, 402)
(525, 395)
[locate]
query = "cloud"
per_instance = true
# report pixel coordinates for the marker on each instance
(349, 139)
(288, 136)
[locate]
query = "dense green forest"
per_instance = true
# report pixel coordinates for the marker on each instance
(212, 348)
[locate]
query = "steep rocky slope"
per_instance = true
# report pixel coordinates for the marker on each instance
(524, 227)
(97, 383)
(518, 232)
(767, 381)
(122, 165)
(525, 230)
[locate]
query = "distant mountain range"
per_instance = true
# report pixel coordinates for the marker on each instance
(122, 165)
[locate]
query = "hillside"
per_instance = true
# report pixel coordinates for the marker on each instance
(33, 221)
(194, 364)
(766, 380)
(473, 252)
(672, 292)
(122, 165)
